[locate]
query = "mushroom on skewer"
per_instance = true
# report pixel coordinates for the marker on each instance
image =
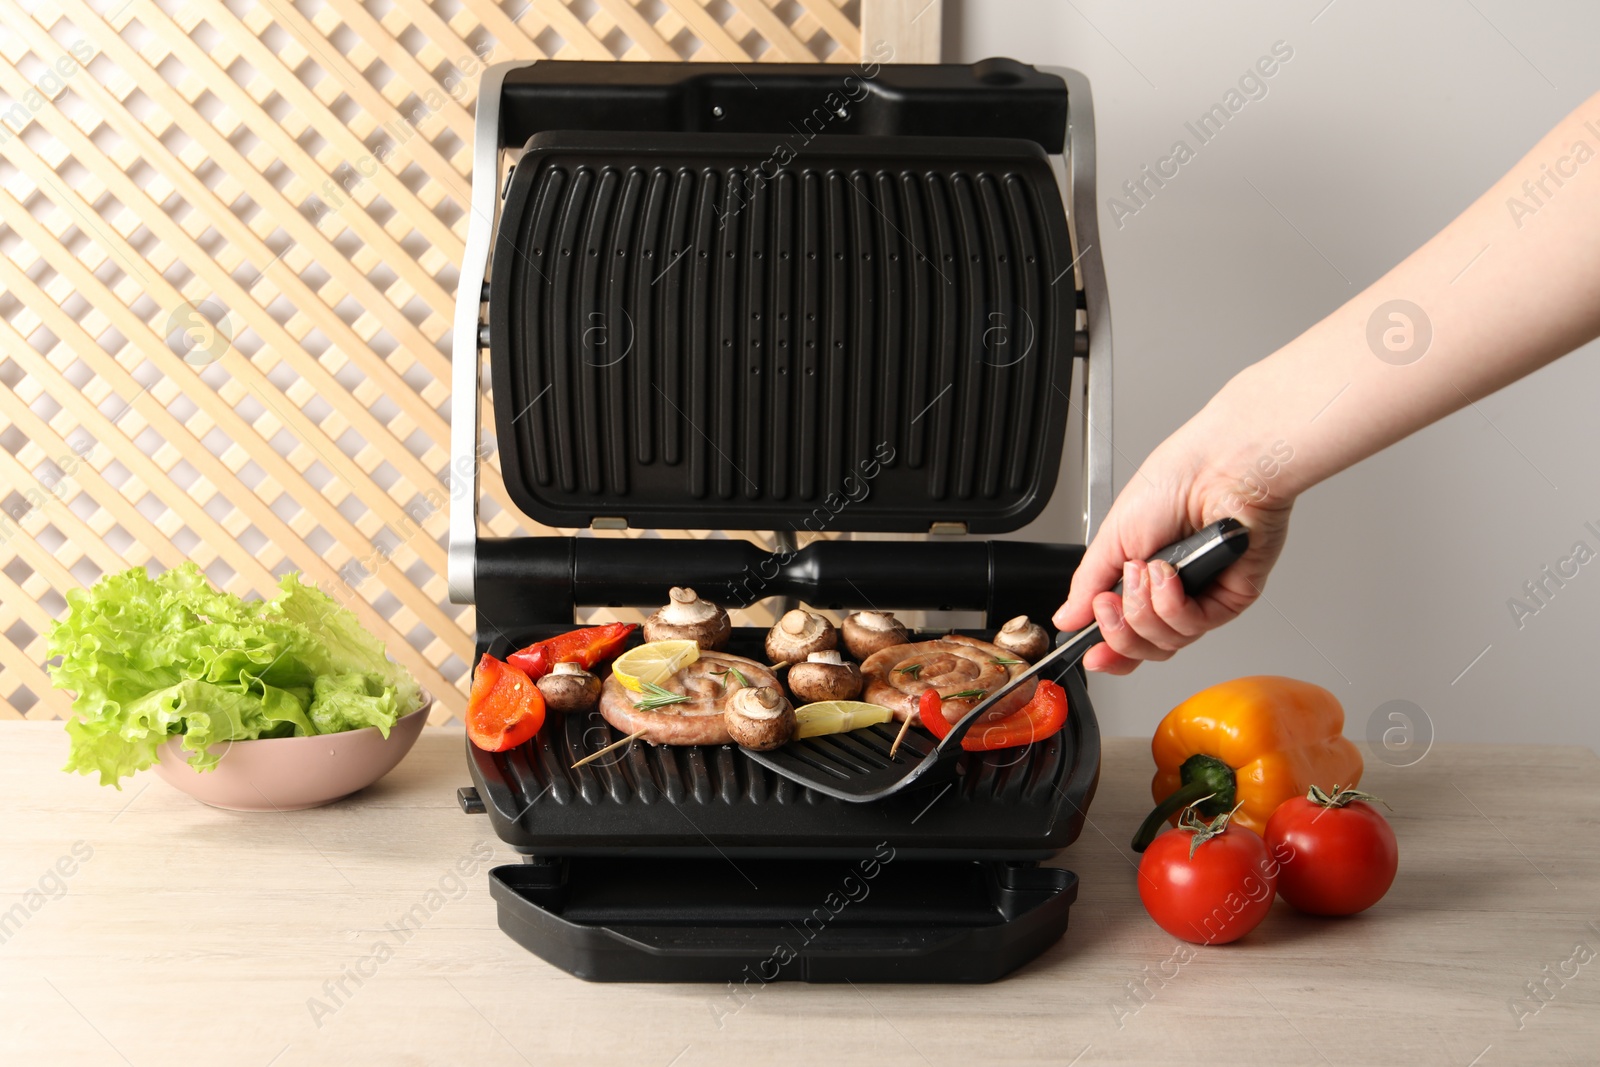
(798, 634)
(824, 676)
(866, 632)
(568, 687)
(760, 718)
(686, 617)
(1023, 638)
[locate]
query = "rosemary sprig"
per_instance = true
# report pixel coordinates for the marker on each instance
(1005, 661)
(967, 693)
(656, 696)
(913, 671)
(744, 683)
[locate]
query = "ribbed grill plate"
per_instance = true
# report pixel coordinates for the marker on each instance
(694, 330)
(1015, 804)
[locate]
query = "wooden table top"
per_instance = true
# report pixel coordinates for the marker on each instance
(184, 934)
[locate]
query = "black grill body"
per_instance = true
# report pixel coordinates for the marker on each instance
(708, 307)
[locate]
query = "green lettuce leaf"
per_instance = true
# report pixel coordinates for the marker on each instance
(338, 642)
(150, 657)
(351, 701)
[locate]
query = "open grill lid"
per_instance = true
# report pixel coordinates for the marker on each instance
(737, 330)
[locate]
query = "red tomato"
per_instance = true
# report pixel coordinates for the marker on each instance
(1218, 895)
(1337, 860)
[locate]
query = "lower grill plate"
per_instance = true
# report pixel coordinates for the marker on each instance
(1015, 804)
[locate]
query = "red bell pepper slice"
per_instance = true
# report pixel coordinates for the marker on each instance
(504, 708)
(930, 710)
(585, 647)
(1038, 719)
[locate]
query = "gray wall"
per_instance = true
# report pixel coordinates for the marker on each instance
(1389, 119)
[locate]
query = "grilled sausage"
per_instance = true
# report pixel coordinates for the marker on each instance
(698, 721)
(897, 676)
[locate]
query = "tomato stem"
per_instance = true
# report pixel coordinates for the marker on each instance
(1202, 831)
(1340, 797)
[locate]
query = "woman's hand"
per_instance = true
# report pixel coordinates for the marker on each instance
(1181, 487)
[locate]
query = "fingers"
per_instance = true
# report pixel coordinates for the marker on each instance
(1151, 620)
(1180, 615)
(1100, 569)
(1139, 611)
(1102, 660)
(1118, 631)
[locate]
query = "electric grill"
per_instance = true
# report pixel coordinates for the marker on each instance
(799, 298)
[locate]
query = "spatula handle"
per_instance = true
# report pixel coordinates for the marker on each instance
(1201, 557)
(1198, 559)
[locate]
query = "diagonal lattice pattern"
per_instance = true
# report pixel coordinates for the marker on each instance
(229, 233)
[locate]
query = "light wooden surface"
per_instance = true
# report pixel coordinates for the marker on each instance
(229, 238)
(198, 936)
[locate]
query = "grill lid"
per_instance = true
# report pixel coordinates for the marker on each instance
(712, 330)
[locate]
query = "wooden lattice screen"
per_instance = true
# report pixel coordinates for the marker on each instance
(229, 238)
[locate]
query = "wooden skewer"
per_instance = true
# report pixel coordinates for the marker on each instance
(613, 746)
(781, 664)
(905, 728)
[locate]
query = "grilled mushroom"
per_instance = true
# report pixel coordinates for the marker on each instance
(568, 687)
(760, 717)
(688, 618)
(824, 676)
(866, 632)
(798, 634)
(1023, 638)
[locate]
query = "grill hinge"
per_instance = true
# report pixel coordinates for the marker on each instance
(948, 529)
(608, 522)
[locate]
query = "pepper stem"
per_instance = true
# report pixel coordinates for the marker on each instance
(1205, 779)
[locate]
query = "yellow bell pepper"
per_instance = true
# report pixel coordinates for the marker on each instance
(1251, 743)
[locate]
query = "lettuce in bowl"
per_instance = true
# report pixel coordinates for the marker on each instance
(150, 657)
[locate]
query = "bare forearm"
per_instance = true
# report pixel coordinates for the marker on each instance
(1507, 287)
(1511, 284)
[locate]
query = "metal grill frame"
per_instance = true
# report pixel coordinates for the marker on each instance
(687, 814)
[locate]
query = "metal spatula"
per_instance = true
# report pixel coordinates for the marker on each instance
(857, 766)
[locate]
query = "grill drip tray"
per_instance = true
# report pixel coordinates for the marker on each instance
(882, 918)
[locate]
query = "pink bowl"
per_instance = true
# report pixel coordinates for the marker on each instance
(288, 773)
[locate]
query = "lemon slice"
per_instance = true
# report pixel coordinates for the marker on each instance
(837, 717)
(653, 663)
